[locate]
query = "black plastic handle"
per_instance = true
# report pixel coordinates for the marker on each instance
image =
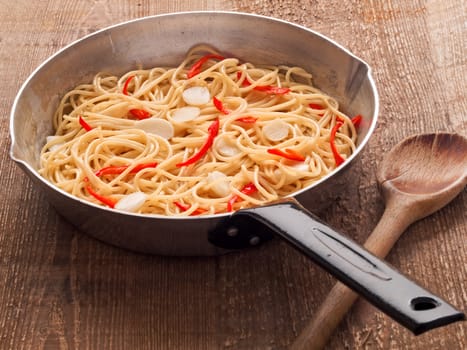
(400, 298)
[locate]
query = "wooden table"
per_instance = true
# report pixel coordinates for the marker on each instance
(60, 289)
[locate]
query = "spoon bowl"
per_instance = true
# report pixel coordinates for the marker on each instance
(419, 176)
(425, 172)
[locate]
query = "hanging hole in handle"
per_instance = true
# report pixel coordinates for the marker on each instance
(424, 303)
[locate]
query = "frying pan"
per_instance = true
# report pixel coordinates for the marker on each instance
(165, 39)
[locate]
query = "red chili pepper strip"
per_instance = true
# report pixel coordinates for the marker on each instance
(198, 211)
(315, 106)
(140, 113)
(83, 123)
(268, 89)
(357, 120)
(116, 170)
(245, 81)
(248, 189)
(213, 131)
(231, 202)
(272, 90)
(139, 167)
(106, 200)
(247, 119)
(185, 207)
(220, 106)
(196, 68)
(181, 206)
(127, 82)
(289, 154)
(111, 170)
(337, 157)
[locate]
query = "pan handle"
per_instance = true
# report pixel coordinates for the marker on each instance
(400, 298)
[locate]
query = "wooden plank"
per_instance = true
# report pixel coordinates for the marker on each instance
(60, 289)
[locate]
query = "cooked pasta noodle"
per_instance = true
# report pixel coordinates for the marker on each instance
(211, 135)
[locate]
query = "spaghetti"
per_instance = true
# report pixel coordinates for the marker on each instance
(208, 136)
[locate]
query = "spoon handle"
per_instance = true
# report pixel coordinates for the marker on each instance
(402, 299)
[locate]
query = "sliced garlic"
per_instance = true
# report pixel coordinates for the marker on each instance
(291, 173)
(220, 183)
(131, 202)
(301, 166)
(196, 95)
(186, 114)
(225, 147)
(116, 110)
(276, 130)
(52, 138)
(156, 126)
(277, 173)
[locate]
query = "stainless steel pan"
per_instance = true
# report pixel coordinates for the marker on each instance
(164, 40)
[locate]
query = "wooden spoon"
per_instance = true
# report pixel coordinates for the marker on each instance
(419, 176)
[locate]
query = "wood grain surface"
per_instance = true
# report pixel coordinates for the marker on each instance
(60, 289)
